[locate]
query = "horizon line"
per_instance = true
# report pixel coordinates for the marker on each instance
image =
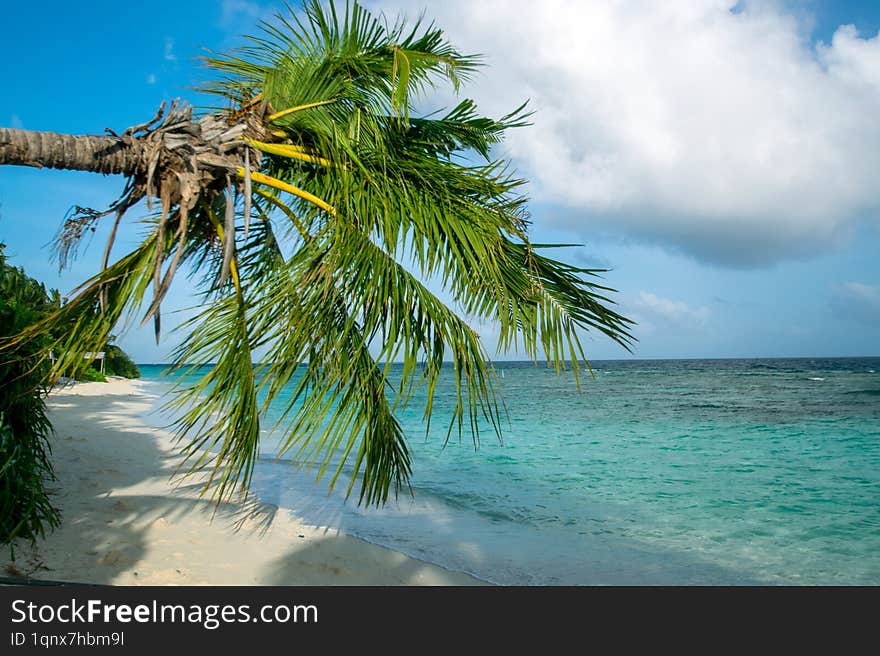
(657, 359)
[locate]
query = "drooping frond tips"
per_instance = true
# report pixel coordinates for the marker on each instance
(228, 230)
(78, 222)
(248, 192)
(357, 201)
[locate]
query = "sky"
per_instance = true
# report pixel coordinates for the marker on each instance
(719, 158)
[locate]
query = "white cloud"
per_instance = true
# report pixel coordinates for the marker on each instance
(169, 50)
(856, 300)
(709, 126)
(649, 310)
(151, 78)
(235, 13)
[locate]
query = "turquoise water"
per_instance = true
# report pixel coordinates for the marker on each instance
(661, 472)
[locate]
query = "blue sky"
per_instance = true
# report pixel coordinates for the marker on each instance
(719, 157)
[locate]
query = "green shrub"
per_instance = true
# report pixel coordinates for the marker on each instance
(25, 510)
(90, 375)
(117, 363)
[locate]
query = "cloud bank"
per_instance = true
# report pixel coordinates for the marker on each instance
(711, 127)
(858, 301)
(652, 313)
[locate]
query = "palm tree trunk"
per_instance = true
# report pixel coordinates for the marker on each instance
(94, 153)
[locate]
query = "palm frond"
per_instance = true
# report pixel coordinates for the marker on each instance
(324, 205)
(365, 183)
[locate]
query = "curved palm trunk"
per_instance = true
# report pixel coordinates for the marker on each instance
(174, 156)
(94, 153)
(181, 160)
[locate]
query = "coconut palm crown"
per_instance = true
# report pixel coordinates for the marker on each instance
(312, 202)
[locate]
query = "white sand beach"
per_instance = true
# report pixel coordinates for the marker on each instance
(125, 522)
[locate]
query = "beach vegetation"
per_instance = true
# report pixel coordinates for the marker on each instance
(89, 374)
(318, 204)
(25, 467)
(118, 363)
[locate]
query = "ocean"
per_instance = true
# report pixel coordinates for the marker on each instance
(660, 472)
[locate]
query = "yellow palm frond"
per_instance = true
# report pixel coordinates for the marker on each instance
(298, 108)
(292, 151)
(275, 183)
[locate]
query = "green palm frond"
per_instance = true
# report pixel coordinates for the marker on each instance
(352, 203)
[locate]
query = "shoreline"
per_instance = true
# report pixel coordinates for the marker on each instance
(124, 522)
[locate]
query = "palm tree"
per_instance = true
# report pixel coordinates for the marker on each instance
(313, 202)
